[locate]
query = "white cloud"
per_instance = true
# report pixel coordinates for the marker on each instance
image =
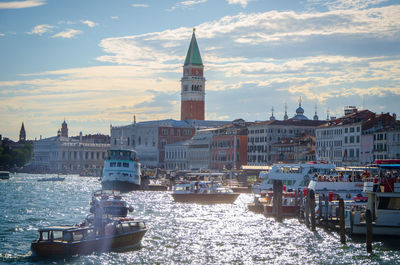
(89, 23)
(186, 4)
(67, 34)
(21, 4)
(350, 4)
(140, 5)
(243, 3)
(2, 34)
(41, 29)
(115, 17)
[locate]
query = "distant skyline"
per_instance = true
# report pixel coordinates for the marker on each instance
(98, 62)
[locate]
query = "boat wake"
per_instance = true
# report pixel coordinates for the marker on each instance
(7, 257)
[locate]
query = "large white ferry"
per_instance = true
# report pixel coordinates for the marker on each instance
(293, 176)
(121, 171)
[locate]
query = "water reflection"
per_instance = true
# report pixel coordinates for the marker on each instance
(179, 234)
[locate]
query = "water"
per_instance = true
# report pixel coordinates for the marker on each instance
(179, 233)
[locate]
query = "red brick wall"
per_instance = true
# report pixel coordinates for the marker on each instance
(192, 110)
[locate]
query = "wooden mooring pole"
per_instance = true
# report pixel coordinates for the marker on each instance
(307, 209)
(341, 222)
(277, 203)
(368, 222)
(312, 209)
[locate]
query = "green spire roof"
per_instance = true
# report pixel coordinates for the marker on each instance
(193, 54)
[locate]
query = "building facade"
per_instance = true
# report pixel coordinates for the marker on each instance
(82, 155)
(229, 146)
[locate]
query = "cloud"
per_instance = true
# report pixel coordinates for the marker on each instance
(2, 34)
(89, 23)
(67, 34)
(243, 3)
(41, 29)
(115, 17)
(21, 4)
(186, 4)
(140, 5)
(349, 4)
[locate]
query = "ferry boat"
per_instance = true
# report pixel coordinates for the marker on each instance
(207, 192)
(113, 232)
(385, 210)
(293, 176)
(121, 171)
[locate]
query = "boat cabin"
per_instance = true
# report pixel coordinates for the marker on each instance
(200, 187)
(121, 155)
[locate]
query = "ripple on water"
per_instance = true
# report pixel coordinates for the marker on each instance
(180, 233)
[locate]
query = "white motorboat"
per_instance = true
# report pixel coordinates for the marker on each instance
(293, 176)
(203, 192)
(121, 171)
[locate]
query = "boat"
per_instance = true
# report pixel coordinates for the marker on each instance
(109, 229)
(63, 241)
(289, 207)
(383, 203)
(121, 171)
(58, 178)
(111, 201)
(293, 176)
(207, 192)
(4, 175)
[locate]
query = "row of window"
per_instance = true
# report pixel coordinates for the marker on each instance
(175, 154)
(77, 155)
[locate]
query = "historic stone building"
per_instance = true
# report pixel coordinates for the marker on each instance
(263, 134)
(82, 155)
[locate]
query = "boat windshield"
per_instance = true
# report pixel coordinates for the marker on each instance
(121, 155)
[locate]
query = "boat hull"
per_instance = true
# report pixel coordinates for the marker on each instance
(287, 211)
(98, 244)
(123, 186)
(206, 198)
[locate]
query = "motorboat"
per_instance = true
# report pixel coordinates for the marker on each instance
(4, 175)
(121, 171)
(293, 176)
(203, 192)
(62, 241)
(58, 178)
(289, 207)
(108, 229)
(112, 203)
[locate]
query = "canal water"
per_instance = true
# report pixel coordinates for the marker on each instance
(179, 233)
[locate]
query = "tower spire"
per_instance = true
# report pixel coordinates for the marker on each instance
(272, 118)
(286, 116)
(315, 115)
(22, 133)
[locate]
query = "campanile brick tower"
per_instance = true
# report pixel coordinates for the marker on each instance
(193, 84)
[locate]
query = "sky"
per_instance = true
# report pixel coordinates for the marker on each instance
(97, 63)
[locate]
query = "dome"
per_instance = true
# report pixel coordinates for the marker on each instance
(299, 111)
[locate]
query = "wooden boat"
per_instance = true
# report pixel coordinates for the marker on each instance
(111, 201)
(207, 192)
(61, 241)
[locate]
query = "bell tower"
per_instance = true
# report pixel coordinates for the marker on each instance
(193, 84)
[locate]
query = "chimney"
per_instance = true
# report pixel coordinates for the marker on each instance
(80, 136)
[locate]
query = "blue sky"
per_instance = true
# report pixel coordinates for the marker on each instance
(99, 62)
